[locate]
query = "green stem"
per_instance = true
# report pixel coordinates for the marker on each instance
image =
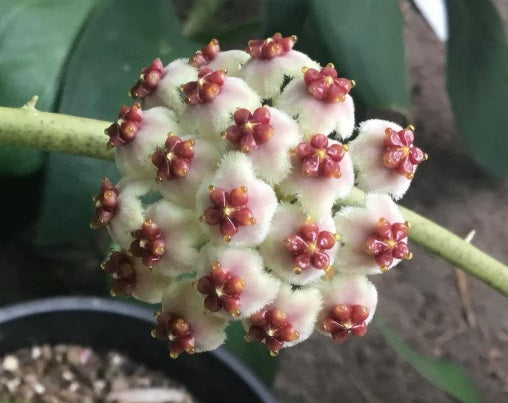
(28, 127)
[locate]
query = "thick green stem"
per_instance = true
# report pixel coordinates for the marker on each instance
(28, 127)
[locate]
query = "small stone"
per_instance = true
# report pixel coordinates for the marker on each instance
(10, 363)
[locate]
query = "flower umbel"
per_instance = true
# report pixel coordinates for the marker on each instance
(235, 166)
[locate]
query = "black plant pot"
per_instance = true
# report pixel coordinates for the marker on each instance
(110, 325)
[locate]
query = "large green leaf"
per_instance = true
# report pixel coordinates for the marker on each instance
(364, 39)
(119, 39)
(284, 16)
(446, 375)
(34, 43)
(478, 80)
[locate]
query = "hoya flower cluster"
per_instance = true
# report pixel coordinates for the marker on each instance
(245, 155)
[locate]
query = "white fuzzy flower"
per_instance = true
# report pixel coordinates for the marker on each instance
(287, 321)
(236, 206)
(234, 283)
(385, 158)
(184, 325)
(349, 303)
(374, 236)
(298, 249)
(322, 172)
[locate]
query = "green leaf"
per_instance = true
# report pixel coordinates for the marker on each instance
(477, 78)
(254, 355)
(445, 375)
(284, 16)
(34, 44)
(364, 39)
(119, 39)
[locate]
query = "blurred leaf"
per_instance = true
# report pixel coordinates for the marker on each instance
(32, 67)
(284, 16)
(119, 39)
(232, 35)
(445, 375)
(364, 39)
(254, 355)
(478, 80)
(201, 16)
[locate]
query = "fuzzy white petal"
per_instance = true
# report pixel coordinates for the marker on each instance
(182, 191)
(367, 152)
(182, 299)
(130, 213)
(348, 289)
(134, 159)
(315, 116)
(168, 92)
(236, 170)
(209, 119)
(301, 308)
(180, 233)
(267, 76)
(260, 287)
(271, 160)
(229, 60)
(355, 224)
(318, 194)
(150, 284)
(287, 221)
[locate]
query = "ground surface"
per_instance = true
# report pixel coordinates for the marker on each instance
(420, 299)
(71, 373)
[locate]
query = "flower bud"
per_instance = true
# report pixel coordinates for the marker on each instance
(299, 249)
(272, 63)
(374, 236)
(133, 158)
(349, 303)
(316, 115)
(233, 282)
(385, 158)
(185, 326)
(236, 206)
(322, 172)
(265, 136)
(285, 322)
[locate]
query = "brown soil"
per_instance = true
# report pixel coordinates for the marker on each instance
(70, 373)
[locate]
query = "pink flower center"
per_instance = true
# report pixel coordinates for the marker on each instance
(178, 332)
(206, 88)
(250, 129)
(222, 290)
(148, 81)
(106, 204)
(344, 319)
(174, 160)
(126, 127)
(205, 55)
(272, 328)
(388, 242)
(317, 159)
(275, 46)
(148, 244)
(325, 84)
(400, 154)
(121, 269)
(309, 248)
(229, 210)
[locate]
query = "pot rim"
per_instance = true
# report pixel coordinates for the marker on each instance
(42, 306)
